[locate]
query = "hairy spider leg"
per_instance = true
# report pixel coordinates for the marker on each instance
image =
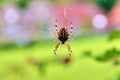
(69, 48)
(56, 29)
(56, 47)
(71, 29)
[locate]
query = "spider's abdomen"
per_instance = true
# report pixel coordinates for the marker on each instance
(63, 39)
(63, 35)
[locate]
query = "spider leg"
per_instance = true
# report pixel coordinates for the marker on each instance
(57, 45)
(55, 35)
(69, 48)
(71, 29)
(56, 28)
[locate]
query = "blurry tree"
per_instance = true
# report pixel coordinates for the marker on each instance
(23, 4)
(106, 5)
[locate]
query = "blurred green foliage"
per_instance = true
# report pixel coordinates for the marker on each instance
(13, 46)
(8, 46)
(79, 68)
(42, 66)
(117, 76)
(113, 35)
(87, 53)
(1, 1)
(109, 55)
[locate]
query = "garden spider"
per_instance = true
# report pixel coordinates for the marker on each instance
(63, 35)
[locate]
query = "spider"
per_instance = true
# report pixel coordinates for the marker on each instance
(63, 35)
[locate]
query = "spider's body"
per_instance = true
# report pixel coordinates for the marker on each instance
(63, 35)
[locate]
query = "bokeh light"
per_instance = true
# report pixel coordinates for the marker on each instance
(100, 21)
(11, 16)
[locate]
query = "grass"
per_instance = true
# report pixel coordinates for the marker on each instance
(39, 63)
